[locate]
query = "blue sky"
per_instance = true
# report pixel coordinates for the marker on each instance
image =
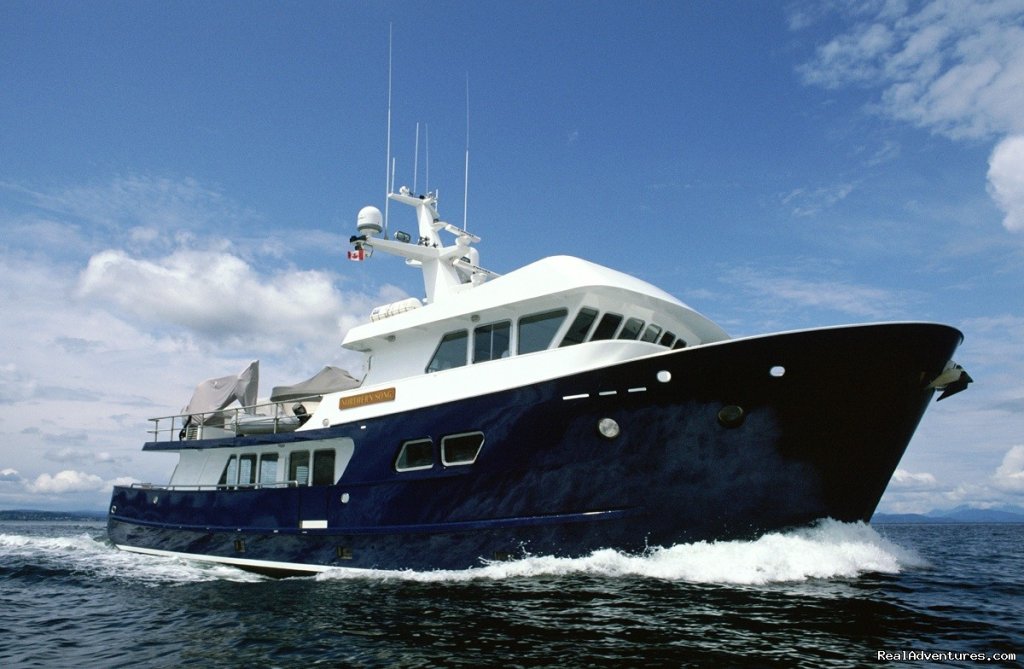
(178, 182)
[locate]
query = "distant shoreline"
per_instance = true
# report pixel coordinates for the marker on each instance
(30, 514)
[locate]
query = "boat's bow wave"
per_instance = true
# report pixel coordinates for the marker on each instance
(829, 549)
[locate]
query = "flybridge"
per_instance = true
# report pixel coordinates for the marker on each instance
(447, 270)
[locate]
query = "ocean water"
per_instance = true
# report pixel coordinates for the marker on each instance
(834, 595)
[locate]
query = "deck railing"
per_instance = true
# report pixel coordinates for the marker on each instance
(219, 486)
(229, 422)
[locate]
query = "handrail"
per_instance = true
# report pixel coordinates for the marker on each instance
(219, 486)
(225, 422)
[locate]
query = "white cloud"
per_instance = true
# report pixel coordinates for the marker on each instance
(138, 203)
(67, 481)
(955, 68)
(804, 293)
(96, 341)
(1006, 180)
(219, 296)
(9, 475)
(810, 202)
(904, 480)
(1009, 476)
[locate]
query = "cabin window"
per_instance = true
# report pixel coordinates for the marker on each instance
(451, 352)
(230, 475)
(268, 468)
(632, 328)
(668, 339)
(247, 469)
(652, 333)
(607, 327)
(537, 330)
(680, 343)
(323, 467)
(298, 467)
(415, 454)
(577, 332)
(461, 449)
(490, 342)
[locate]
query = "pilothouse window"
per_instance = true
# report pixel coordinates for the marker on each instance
(607, 327)
(652, 334)
(577, 332)
(537, 330)
(490, 342)
(451, 352)
(632, 328)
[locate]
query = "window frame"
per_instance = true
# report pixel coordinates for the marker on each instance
(403, 449)
(317, 474)
(580, 327)
(488, 332)
(446, 344)
(462, 435)
(293, 467)
(608, 317)
(561, 313)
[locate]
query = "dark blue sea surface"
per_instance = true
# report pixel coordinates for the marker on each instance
(834, 595)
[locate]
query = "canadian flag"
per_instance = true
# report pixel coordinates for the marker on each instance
(357, 255)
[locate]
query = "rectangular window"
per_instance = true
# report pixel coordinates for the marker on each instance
(632, 328)
(247, 469)
(298, 467)
(268, 468)
(451, 352)
(230, 475)
(323, 467)
(607, 327)
(461, 449)
(577, 332)
(652, 333)
(490, 342)
(537, 330)
(415, 454)
(668, 339)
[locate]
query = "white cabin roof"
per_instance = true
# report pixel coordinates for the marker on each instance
(521, 290)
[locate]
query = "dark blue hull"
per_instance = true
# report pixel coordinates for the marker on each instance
(821, 440)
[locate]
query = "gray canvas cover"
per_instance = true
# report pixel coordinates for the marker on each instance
(327, 380)
(215, 394)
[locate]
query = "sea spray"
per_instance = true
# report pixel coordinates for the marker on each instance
(829, 549)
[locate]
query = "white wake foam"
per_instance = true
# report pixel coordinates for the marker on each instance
(95, 557)
(829, 549)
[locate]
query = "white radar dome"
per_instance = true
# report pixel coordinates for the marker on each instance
(369, 221)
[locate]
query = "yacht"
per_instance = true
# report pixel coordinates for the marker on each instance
(558, 409)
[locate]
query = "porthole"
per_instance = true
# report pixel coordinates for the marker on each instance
(731, 416)
(608, 427)
(778, 371)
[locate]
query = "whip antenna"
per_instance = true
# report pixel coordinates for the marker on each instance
(416, 158)
(388, 169)
(465, 186)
